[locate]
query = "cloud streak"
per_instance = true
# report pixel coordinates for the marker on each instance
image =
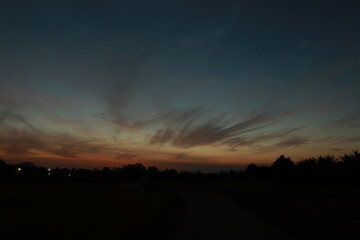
(24, 142)
(292, 142)
(352, 120)
(236, 142)
(8, 116)
(194, 129)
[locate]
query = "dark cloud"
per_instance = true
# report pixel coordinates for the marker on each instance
(292, 142)
(329, 139)
(72, 147)
(123, 76)
(8, 116)
(191, 128)
(173, 118)
(127, 156)
(162, 136)
(186, 157)
(352, 120)
(203, 166)
(336, 149)
(337, 140)
(16, 149)
(18, 136)
(14, 141)
(349, 140)
(233, 143)
(317, 81)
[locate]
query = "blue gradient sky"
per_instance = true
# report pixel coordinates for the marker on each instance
(188, 84)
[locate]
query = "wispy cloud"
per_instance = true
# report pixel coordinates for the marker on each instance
(194, 129)
(236, 142)
(14, 141)
(352, 120)
(338, 140)
(19, 136)
(7, 116)
(126, 155)
(292, 142)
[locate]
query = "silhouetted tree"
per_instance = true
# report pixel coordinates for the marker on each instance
(153, 172)
(256, 173)
(283, 170)
(251, 172)
(106, 172)
(134, 171)
(5, 169)
(307, 170)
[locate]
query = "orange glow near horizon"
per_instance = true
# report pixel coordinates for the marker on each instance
(204, 161)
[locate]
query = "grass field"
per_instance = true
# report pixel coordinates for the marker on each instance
(86, 210)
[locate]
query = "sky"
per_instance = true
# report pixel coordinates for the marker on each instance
(207, 85)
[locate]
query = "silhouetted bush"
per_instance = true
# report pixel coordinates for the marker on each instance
(350, 167)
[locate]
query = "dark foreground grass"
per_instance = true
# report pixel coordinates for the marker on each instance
(86, 210)
(302, 211)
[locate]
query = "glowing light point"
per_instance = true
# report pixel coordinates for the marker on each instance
(49, 169)
(19, 169)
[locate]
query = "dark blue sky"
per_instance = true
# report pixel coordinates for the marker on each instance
(178, 83)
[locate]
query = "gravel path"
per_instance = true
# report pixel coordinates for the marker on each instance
(213, 216)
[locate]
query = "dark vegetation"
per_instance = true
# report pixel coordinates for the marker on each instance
(86, 210)
(84, 204)
(320, 170)
(310, 199)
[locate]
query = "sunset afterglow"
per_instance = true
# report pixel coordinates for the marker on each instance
(208, 85)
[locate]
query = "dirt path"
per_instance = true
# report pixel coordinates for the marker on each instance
(212, 216)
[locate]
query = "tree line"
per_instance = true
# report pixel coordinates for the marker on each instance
(321, 169)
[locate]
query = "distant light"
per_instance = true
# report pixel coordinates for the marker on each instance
(49, 174)
(69, 175)
(49, 169)
(19, 169)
